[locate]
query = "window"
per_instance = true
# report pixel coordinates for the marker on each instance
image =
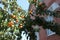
(49, 32)
(53, 6)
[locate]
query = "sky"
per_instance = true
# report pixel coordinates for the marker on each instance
(23, 3)
(1, 5)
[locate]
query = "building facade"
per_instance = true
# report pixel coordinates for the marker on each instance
(47, 34)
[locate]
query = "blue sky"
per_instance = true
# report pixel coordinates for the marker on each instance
(24, 4)
(1, 5)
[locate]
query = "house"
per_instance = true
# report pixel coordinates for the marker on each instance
(53, 5)
(47, 34)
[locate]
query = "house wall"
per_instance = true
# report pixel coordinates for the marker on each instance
(49, 3)
(43, 33)
(57, 20)
(54, 37)
(57, 1)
